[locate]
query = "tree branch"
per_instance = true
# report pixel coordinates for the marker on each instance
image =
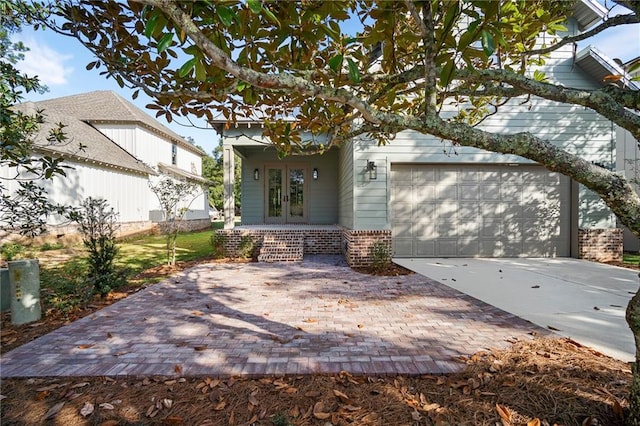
(600, 100)
(611, 22)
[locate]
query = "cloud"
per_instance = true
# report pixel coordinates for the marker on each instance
(45, 63)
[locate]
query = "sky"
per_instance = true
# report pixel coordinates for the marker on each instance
(60, 63)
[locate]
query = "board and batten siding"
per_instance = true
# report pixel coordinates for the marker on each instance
(152, 149)
(577, 129)
(88, 180)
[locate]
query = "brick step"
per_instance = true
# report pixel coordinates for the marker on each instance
(281, 248)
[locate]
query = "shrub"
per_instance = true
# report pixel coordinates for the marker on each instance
(66, 288)
(247, 249)
(380, 254)
(218, 242)
(98, 227)
(9, 251)
(51, 246)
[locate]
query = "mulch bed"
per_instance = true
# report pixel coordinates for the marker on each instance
(556, 381)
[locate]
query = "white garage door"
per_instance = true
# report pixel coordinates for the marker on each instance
(487, 211)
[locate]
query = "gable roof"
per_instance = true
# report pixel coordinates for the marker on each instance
(97, 148)
(106, 106)
(588, 13)
(598, 65)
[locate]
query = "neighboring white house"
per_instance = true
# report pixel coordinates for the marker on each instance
(124, 149)
(426, 202)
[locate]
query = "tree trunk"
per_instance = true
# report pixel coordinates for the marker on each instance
(633, 319)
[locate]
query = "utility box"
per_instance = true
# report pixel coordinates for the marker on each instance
(24, 280)
(5, 290)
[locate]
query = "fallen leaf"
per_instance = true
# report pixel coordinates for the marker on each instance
(109, 335)
(343, 397)
(197, 313)
(535, 286)
(350, 407)
(416, 416)
(534, 422)
(504, 413)
(173, 420)
(360, 325)
(595, 308)
(318, 411)
(220, 406)
(110, 423)
(310, 320)
(106, 406)
(42, 395)
(313, 394)
(253, 401)
(86, 346)
(553, 328)
(177, 368)
(54, 410)
(48, 388)
(86, 409)
(170, 382)
(80, 385)
(200, 348)
(168, 403)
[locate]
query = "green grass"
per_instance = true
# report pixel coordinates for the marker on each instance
(146, 252)
(631, 258)
(65, 288)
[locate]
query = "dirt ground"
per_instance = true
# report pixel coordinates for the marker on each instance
(538, 382)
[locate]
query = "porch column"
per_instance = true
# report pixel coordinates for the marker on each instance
(228, 183)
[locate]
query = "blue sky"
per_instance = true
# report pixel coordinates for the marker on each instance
(60, 64)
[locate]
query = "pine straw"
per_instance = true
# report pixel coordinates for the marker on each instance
(554, 380)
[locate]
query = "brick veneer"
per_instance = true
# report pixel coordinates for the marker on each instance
(600, 245)
(189, 225)
(355, 245)
(316, 241)
(358, 244)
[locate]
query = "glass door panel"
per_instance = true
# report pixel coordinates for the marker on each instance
(296, 195)
(274, 195)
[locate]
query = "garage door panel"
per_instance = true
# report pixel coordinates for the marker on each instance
(425, 248)
(469, 192)
(472, 210)
(446, 247)
(403, 247)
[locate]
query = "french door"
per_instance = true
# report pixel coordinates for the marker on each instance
(285, 194)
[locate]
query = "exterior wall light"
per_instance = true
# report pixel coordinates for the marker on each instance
(372, 169)
(314, 174)
(256, 174)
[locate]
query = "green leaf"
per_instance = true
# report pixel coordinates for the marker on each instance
(150, 28)
(255, 6)
(487, 43)
(226, 15)
(271, 16)
(446, 75)
(201, 72)
(335, 63)
(241, 86)
(186, 68)
(539, 76)
(354, 72)
(164, 42)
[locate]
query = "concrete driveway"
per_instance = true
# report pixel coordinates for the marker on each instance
(579, 299)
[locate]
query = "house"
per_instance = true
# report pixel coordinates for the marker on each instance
(418, 199)
(123, 150)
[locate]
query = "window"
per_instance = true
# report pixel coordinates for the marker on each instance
(174, 154)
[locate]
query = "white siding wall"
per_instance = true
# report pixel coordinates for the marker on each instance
(628, 161)
(152, 149)
(576, 129)
(126, 192)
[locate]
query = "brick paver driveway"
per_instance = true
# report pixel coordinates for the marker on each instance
(255, 319)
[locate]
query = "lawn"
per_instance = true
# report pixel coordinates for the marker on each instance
(631, 258)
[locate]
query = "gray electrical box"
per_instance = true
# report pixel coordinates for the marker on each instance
(24, 279)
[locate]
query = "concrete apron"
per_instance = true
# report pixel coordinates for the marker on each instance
(582, 300)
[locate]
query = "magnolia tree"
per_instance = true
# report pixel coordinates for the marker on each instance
(175, 197)
(360, 67)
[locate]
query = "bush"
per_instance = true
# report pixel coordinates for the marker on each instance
(66, 288)
(247, 249)
(380, 254)
(218, 242)
(51, 246)
(9, 251)
(98, 225)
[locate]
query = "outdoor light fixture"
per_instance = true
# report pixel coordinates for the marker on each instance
(256, 174)
(315, 174)
(372, 169)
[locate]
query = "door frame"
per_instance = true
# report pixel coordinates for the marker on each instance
(285, 192)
